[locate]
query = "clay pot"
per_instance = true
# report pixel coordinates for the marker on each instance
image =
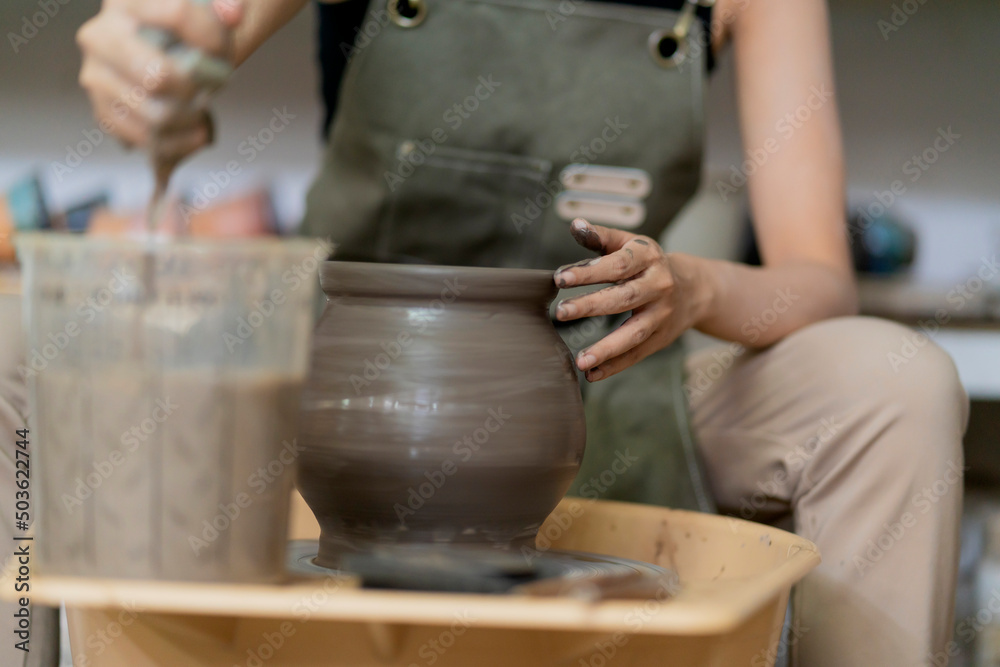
(442, 408)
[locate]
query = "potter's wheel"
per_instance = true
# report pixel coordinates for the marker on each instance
(445, 568)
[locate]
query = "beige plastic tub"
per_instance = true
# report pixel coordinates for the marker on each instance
(737, 576)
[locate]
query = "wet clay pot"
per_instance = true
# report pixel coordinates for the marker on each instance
(442, 408)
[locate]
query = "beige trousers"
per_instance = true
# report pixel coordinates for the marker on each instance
(849, 430)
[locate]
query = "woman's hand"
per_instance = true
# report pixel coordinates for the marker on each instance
(663, 291)
(783, 66)
(136, 90)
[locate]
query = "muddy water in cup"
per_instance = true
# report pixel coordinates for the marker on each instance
(167, 473)
(164, 393)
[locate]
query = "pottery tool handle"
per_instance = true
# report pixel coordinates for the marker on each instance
(208, 73)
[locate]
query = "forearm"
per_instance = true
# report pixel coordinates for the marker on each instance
(262, 18)
(758, 306)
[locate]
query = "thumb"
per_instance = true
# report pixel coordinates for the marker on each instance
(603, 240)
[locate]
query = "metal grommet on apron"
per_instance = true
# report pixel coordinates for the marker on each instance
(669, 48)
(460, 142)
(407, 13)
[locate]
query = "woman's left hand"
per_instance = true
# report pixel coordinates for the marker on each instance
(660, 289)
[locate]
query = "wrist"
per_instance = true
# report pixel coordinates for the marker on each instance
(699, 286)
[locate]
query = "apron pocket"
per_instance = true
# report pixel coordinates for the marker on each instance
(461, 206)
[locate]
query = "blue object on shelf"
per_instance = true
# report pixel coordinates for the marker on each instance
(881, 245)
(27, 204)
(78, 218)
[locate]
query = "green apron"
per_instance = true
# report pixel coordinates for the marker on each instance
(450, 145)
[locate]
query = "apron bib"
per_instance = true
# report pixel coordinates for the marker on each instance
(471, 132)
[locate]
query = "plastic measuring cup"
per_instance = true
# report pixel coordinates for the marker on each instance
(164, 382)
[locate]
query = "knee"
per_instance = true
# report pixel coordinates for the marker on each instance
(921, 378)
(894, 369)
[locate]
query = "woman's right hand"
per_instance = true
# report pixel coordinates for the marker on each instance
(137, 91)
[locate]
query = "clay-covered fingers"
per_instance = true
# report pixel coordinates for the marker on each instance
(613, 300)
(112, 39)
(135, 118)
(132, 83)
(625, 256)
(204, 27)
(643, 281)
(637, 338)
(138, 91)
(124, 96)
(114, 107)
(599, 239)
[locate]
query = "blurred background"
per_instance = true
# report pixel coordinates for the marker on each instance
(917, 85)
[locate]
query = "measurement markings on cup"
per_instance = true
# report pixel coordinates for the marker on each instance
(22, 548)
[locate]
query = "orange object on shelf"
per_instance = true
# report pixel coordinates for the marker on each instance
(22, 208)
(245, 216)
(250, 214)
(6, 233)
(107, 223)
